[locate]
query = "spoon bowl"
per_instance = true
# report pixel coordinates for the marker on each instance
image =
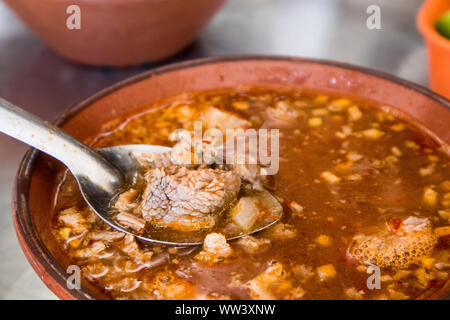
(124, 158)
(101, 174)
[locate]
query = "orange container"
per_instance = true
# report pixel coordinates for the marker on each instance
(438, 46)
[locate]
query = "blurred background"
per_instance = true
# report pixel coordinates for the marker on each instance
(37, 79)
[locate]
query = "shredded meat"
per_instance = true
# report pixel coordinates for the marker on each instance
(130, 247)
(131, 221)
(106, 235)
(73, 218)
(181, 153)
(185, 199)
(125, 201)
(91, 251)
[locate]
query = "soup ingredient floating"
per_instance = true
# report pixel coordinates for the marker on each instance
(398, 245)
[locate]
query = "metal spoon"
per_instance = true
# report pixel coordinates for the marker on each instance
(100, 173)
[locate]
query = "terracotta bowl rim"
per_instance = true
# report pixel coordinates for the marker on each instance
(42, 261)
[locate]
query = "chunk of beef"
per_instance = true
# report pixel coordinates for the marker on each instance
(186, 199)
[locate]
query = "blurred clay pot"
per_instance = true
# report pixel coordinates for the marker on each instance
(117, 32)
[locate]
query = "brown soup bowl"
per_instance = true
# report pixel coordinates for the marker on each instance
(34, 184)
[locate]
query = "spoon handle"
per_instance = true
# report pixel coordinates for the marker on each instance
(81, 160)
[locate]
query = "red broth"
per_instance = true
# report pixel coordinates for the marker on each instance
(346, 169)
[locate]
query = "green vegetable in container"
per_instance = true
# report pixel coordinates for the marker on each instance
(442, 25)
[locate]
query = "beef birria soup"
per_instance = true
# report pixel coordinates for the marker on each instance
(364, 199)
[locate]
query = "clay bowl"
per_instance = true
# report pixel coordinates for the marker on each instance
(32, 194)
(117, 32)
